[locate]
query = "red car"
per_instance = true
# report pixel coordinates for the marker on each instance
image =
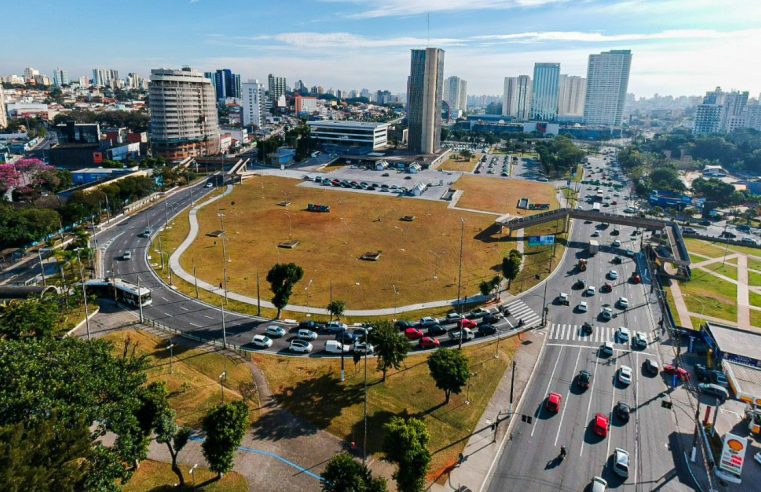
(413, 334)
(614, 202)
(553, 402)
(466, 323)
(681, 373)
(428, 343)
(606, 288)
(635, 278)
(601, 425)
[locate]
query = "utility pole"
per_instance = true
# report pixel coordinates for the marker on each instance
(84, 295)
(364, 441)
(512, 387)
(171, 353)
(459, 277)
(222, 378)
(140, 302)
(42, 268)
(258, 298)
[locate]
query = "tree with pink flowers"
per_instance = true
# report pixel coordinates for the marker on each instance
(9, 177)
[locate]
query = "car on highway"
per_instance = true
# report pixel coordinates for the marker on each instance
(467, 323)
(596, 234)
(363, 347)
(579, 284)
(625, 375)
(616, 260)
(127, 256)
(599, 484)
(582, 307)
(606, 349)
(427, 321)
(622, 334)
(435, 330)
(336, 347)
(640, 340)
(606, 313)
(562, 299)
(335, 327)
(601, 424)
(635, 278)
(306, 334)
(680, 372)
(583, 379)
(621, 462)
(590, 290)
(606, 287)
(629, 210)
(312, 325)
(347, 337)
(428, 343)
(586, 328)
(261, 341)
(493, 318)
(552, 403)
(613, 275)
(615, 232)
(714, 390)
(486, 329)
(147, 232)
(413, 333)
(477, 313)
(403, 324)
(623, 302)
(274, 331)
(455, 333)
(616, 243)
(300, 346)
(622, 411)
(454, 316)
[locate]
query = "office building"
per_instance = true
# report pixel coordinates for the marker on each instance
(723, 112)
(275, 88)
(253, 107)
(135, 81)
(456, 94)
(545, 91)
(3, 115)
(573, 91)
(226, 83)
(607, 82)
(516, 101)
(103, 77)
(305, 104)
(363, 134)
(425, 87)
(707, 119)
(60, 77)
(183, 114)
(30, 73)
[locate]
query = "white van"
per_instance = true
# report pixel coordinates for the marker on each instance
(335, 347)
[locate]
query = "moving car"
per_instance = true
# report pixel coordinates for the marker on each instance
(584, 379)
(590, 290)
(621, 462)
(311, 325)
(714, 390)
(582, 307)
(625, 375)
(428, 343)
(678, 371)
(336, 347)
(579, 284)
(347, 337)
(305, 334)
(622, 334)
(127, 255)
(274, 331)
(622, 411)
(640, 340)
(335, 327)
(606, 287)
(363, 347)
(486, 329)
(300, 346)
(467, 323)
(606, 313)
(413, 334)
(563, 299)
(467, 334)
(586, 328)
(606, 349)
(435, 330)
(262, 341)
(601, 425)
(623, 302)
(613, 275)
(553, 402)
(428, 321)
(599, 484)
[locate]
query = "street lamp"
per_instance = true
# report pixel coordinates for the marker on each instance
(171, 353)
(307, 290)
(222, 378)
(84, 294)
(224, 276)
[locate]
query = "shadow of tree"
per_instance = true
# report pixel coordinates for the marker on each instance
(375, 432)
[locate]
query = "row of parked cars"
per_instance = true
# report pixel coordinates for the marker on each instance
(359, 185)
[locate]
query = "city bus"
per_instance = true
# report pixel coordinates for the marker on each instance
(119, 290)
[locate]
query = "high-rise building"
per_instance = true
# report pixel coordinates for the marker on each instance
(463, 104)
(103, 77)
(607, 82)
(424, 95)
(135, 81)
(707, 119)
(722, 112)
(226, 83)
(544, 91)
(3, 114)
(60, 77)
(573, 91)
(516, 101)
(305, 104)
(253, 109)
(456, 93)
(183, 114)
(30, 73)
(275, 88)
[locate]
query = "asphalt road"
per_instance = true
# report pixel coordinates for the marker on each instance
(530, 458)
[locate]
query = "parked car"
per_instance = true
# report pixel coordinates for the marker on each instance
(305, 334)
(714, 390)
(428, 343)
(552, 402)
(621, 462)
(413, 333)
(678, 371)
(601, 425)
(582, 307)
(467, 334)
(262, 341)
(300, 346)
(274, 331)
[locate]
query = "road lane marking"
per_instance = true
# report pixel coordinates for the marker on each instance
(184, 308)
(207, 316)
(576, 345)
(548, 388)
(568, 394)
(191, 323)
(612, 403)
(589, 405)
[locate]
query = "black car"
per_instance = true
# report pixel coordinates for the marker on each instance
(486, 329)
(728, 235)
(492, 318)
(616, 260)
(586, 328)
(701, 373)
(403, 324)
(346, 337)
(312, 325)
(584, 379)
(580, 284)
(622, 411)
(436, 329)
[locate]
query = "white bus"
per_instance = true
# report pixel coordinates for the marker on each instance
(119, 290)
(596, 207)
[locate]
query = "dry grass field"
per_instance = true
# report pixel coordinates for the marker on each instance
(502, 195)
(460, 165)
(419, 260)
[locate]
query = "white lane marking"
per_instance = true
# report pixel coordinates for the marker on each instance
(197, 326)
(636, 419)
(576, 345)
(184, 308)
(589, 405)
(167, 314)
(163, 298)
(548, 388)
(613, 402)
(568, 394)
(207, 316)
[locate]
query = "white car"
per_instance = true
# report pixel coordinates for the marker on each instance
(428, 321)
(275, 331)
(563, 298)
(582, 307)
(127, 255)
(590, 290)
(629, 210)
(362, 347)
(616, 243)
(305, 334)
(623, 302)
(262, 341)
(621, 462)
(623, 333)
(300, 346)
(625, 375)
(596, 234)
(613, 275)
(606, 313)
(640, 340)
(599, 484)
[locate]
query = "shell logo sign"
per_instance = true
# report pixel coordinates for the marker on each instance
(733, 454)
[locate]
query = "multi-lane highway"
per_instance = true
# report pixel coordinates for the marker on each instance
(530, 459)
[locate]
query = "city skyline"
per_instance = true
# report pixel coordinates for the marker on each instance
(485, 41)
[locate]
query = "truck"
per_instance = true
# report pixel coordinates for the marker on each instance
(596, 207)
(594, 247)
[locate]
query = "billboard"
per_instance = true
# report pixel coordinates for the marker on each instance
(541, 240)
(733, 454)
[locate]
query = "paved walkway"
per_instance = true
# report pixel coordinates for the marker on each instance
(681, 306)
(743, 303)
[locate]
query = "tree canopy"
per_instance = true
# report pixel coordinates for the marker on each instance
(282, 277)
(225, 426)
(390, 346)
(345, 474)
(449, 368)
(406, 444)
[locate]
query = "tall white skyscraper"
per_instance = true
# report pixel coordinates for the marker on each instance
(607, 82)
(723, 112)
(103, 77)
(456, 93)
(516, 100)
(425, 87)
(3, 115)
(253, 108)
(30, 73)
(463, 105)
(544, 91)
(60, 77)
(573, 91)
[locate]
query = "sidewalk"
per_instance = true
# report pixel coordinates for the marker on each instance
(483, 448)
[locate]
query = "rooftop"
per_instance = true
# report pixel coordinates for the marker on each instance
(736, 341)
(347, 123)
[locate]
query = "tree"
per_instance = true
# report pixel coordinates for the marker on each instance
(175, 438)
(406, 444)
(224, 425)
(466, 154)
(390, 346)
(487, 286)
(511, 266)
(336, 308)
(30, 318)
(9, 177)
(345, 474)
(449, 368)
(282, 277)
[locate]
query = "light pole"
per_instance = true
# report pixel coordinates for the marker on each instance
(171, 353)
(224, 277)
(222, 378)
(84, 295)
(459, 276)
(396, 298)
(307, 290)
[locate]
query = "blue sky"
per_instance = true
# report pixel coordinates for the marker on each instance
(680, 46)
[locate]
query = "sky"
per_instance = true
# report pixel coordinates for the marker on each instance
(680, 47)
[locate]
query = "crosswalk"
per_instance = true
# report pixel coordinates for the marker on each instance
(600, 334)
(519, 310)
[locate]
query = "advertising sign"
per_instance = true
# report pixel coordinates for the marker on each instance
(733, 454)
(541, 240)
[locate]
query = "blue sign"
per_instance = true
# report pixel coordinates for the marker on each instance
(541, 240)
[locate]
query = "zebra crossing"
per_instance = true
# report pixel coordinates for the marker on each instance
(520, 310)
(600, 334)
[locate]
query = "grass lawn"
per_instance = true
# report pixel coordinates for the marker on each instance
(461, 165)
(754, 299)
(754, 279)
(726, 269)
(158, 477)
(706, 294)
(419, 258)
(755, 318)
(744, 249)
(709, 250)
(193, 384)
(754, 264)
(501, 195)
(311, 388)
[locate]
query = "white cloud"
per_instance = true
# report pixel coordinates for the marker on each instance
(344, 40)
(395, 8)
(597, 37)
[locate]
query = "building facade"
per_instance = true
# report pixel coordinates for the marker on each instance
(607, 82)
(573, 91)
(724, 112)
(103, 77)
(183, 114)
(226, 83)
(253, 96)
(456, 93)
(276, 87)
(3, 114)
(424, 95)
(60, 77)
(305, 104)
(544, 92)
(353, 133)
(516, 100)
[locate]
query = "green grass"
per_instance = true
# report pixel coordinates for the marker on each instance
(709, 250)
(755, 318)
(754, 279)
(706, 294)
(754, 299)
(754, 264)
(159, 477)
(670, 300)
(726, 269)
(746, 250)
